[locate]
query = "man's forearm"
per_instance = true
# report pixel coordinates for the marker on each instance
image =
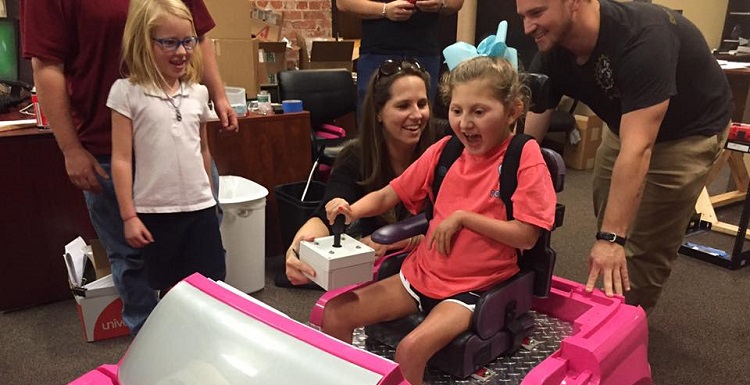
(625, 192)
(49, 78)
(211, 74)
(638, 132)
(537, 125)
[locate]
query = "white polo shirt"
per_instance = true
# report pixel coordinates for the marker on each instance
(169, 170)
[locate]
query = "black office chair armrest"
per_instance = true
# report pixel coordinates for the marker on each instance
(503, 303)
(407, 228)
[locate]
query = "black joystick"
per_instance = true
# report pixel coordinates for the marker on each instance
(338, 229)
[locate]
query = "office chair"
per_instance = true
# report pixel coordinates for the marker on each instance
(327, 94)
(561, 121)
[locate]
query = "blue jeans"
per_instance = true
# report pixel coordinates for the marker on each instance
(368, 64)
(126, 263)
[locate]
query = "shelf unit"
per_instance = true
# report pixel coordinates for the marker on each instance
(736, 24)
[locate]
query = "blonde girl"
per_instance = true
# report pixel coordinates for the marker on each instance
(160, 158)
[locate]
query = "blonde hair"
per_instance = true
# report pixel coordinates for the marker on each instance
(138, 60)
(500, 75)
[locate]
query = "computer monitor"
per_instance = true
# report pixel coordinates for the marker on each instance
(8, 50)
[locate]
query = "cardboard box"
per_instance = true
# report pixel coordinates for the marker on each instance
(99, 305)
(265, 24)
(336, 267)
(581, 155)
(237, 60)
(232, 18)
(272, 59)
(326, 54)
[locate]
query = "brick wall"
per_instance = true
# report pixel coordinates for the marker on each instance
(309, 18)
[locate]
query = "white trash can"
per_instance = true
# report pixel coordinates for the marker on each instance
(243, 232)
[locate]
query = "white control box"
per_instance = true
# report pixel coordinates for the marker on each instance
(338, 266)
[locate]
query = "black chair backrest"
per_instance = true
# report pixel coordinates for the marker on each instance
(326, 93)
(541, 257)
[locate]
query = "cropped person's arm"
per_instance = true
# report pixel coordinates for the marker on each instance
(537, 125)
(81, 166)
(216, 91)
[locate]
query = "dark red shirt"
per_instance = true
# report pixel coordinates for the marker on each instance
(86, 36)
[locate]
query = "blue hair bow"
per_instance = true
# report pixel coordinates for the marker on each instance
(493, 46)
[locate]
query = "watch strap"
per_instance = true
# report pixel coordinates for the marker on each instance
(611, 237)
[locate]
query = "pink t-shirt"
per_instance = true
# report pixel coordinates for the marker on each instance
(476, 262)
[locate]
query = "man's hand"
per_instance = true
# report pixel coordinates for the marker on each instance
(227, 116)
(608, 260)
(82, 168)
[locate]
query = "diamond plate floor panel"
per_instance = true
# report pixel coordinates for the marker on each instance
(506, 370)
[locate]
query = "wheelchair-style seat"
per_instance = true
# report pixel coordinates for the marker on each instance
(500, 321)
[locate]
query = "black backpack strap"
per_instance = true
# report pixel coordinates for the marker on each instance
(509, 171)
(450, 153)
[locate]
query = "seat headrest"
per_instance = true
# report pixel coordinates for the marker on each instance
(326, 93)
(556, 166)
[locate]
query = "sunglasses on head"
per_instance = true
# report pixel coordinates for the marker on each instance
(392, 67)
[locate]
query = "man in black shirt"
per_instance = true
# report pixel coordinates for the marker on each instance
(648, 73)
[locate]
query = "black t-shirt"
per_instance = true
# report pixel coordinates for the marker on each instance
(343, 183)
(645, 54)
(417, 36)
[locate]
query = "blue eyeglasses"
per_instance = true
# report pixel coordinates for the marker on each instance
(172, 44)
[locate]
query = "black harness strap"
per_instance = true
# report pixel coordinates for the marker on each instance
(509, 171)
(450, 153)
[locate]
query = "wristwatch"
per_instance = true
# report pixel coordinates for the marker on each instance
(611, 237)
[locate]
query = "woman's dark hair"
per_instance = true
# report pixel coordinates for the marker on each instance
(376, 166)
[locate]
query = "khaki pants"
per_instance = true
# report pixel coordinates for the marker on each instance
(676, 176)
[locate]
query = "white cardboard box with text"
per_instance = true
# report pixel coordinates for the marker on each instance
(99, 304)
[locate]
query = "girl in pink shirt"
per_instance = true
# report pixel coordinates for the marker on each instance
(470, 245)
